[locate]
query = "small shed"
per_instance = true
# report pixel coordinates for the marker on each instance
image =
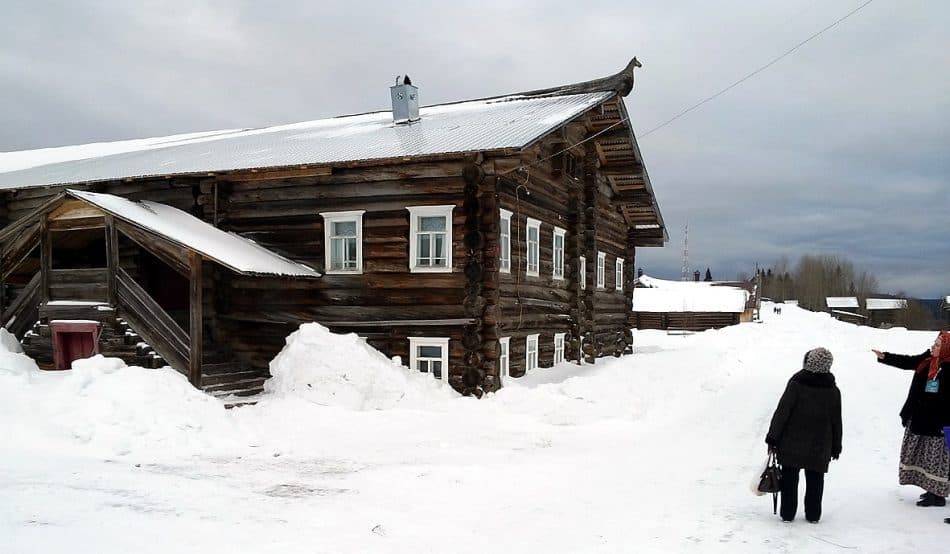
(882, 312)
(687, 305)
(845, 308)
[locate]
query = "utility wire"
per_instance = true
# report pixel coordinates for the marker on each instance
(700, 103)
(757, 71)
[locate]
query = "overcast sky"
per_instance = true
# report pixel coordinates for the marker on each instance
(842, 148)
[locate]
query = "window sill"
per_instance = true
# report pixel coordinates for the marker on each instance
(430, 270)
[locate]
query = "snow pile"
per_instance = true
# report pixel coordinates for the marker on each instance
(111, 408)
(342, 370)
(8, 342)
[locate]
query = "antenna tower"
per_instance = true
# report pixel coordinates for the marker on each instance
(685, 276)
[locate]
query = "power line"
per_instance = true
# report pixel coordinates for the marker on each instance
(757, 71)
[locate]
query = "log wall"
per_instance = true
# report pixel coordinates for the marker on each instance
(256, 314)
(684, 321)
(569, 192)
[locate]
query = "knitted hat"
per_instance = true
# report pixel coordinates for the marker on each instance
(818, 360)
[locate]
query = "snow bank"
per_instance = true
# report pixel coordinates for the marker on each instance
(8, 342)
(111, 408)
(344, 371)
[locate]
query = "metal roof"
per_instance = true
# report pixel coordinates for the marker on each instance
(478, 125)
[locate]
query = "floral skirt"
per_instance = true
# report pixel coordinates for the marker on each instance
(925, 463)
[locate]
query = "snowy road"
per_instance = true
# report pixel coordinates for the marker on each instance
(649, 453)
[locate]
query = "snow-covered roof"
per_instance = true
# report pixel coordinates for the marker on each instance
(852, 314)
(885, 303)
(841, 302)
(658, 295)
(478, 125)
(228, 249)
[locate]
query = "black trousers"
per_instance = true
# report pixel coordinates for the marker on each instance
(814, 488)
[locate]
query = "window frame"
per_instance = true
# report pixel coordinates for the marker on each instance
(532, 223)
(415, 212)
(559, 348)
(329, 218)
(557, 261)
(528, 352)
(441, 342)
(504, 359)
(618, 274)
(582, 269)
(601, 266)
(504, 240)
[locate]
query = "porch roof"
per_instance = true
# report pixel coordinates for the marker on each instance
(229, 249)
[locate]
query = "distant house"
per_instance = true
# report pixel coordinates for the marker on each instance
(882, 312)
(845, 308)
(945, 309)
(690, 305)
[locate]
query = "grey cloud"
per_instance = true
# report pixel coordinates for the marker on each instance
(839, 148)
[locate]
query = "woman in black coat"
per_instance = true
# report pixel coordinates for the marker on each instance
(806, 433)
(925, 461)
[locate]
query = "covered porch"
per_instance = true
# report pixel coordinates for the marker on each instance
(87, 271)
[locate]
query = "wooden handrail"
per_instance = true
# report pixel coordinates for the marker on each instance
(17, 318)
(152, 322)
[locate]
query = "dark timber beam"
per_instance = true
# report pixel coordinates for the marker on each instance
(3, 288)
(46, 259)
(112, 258)
(194, 308)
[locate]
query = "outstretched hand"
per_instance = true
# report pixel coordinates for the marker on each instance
(878, 353)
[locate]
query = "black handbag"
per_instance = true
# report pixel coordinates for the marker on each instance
(771, 480)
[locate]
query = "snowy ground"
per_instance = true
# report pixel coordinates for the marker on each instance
(649, 453)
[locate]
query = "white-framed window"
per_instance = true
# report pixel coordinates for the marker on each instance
(430, 355)
(430, 239)
(601, 262)
(558, 348)
(504, 242)
(582, 269)
(558, 247)
(343, 241)
(531, 353)
(533, 244)
(504, 364)
(619, 269)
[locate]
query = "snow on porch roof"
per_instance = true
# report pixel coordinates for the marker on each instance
(478, 125)
(659, 295)
(228, 249)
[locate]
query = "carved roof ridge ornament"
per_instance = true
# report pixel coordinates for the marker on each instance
(620, 82)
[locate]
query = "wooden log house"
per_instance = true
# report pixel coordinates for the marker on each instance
(691, 305)
(477, 240)
(882, 312)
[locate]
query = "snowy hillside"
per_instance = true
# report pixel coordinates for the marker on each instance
(648, 453)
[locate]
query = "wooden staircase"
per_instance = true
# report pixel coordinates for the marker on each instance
(222, 375)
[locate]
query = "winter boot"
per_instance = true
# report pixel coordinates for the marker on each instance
(932, 500)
